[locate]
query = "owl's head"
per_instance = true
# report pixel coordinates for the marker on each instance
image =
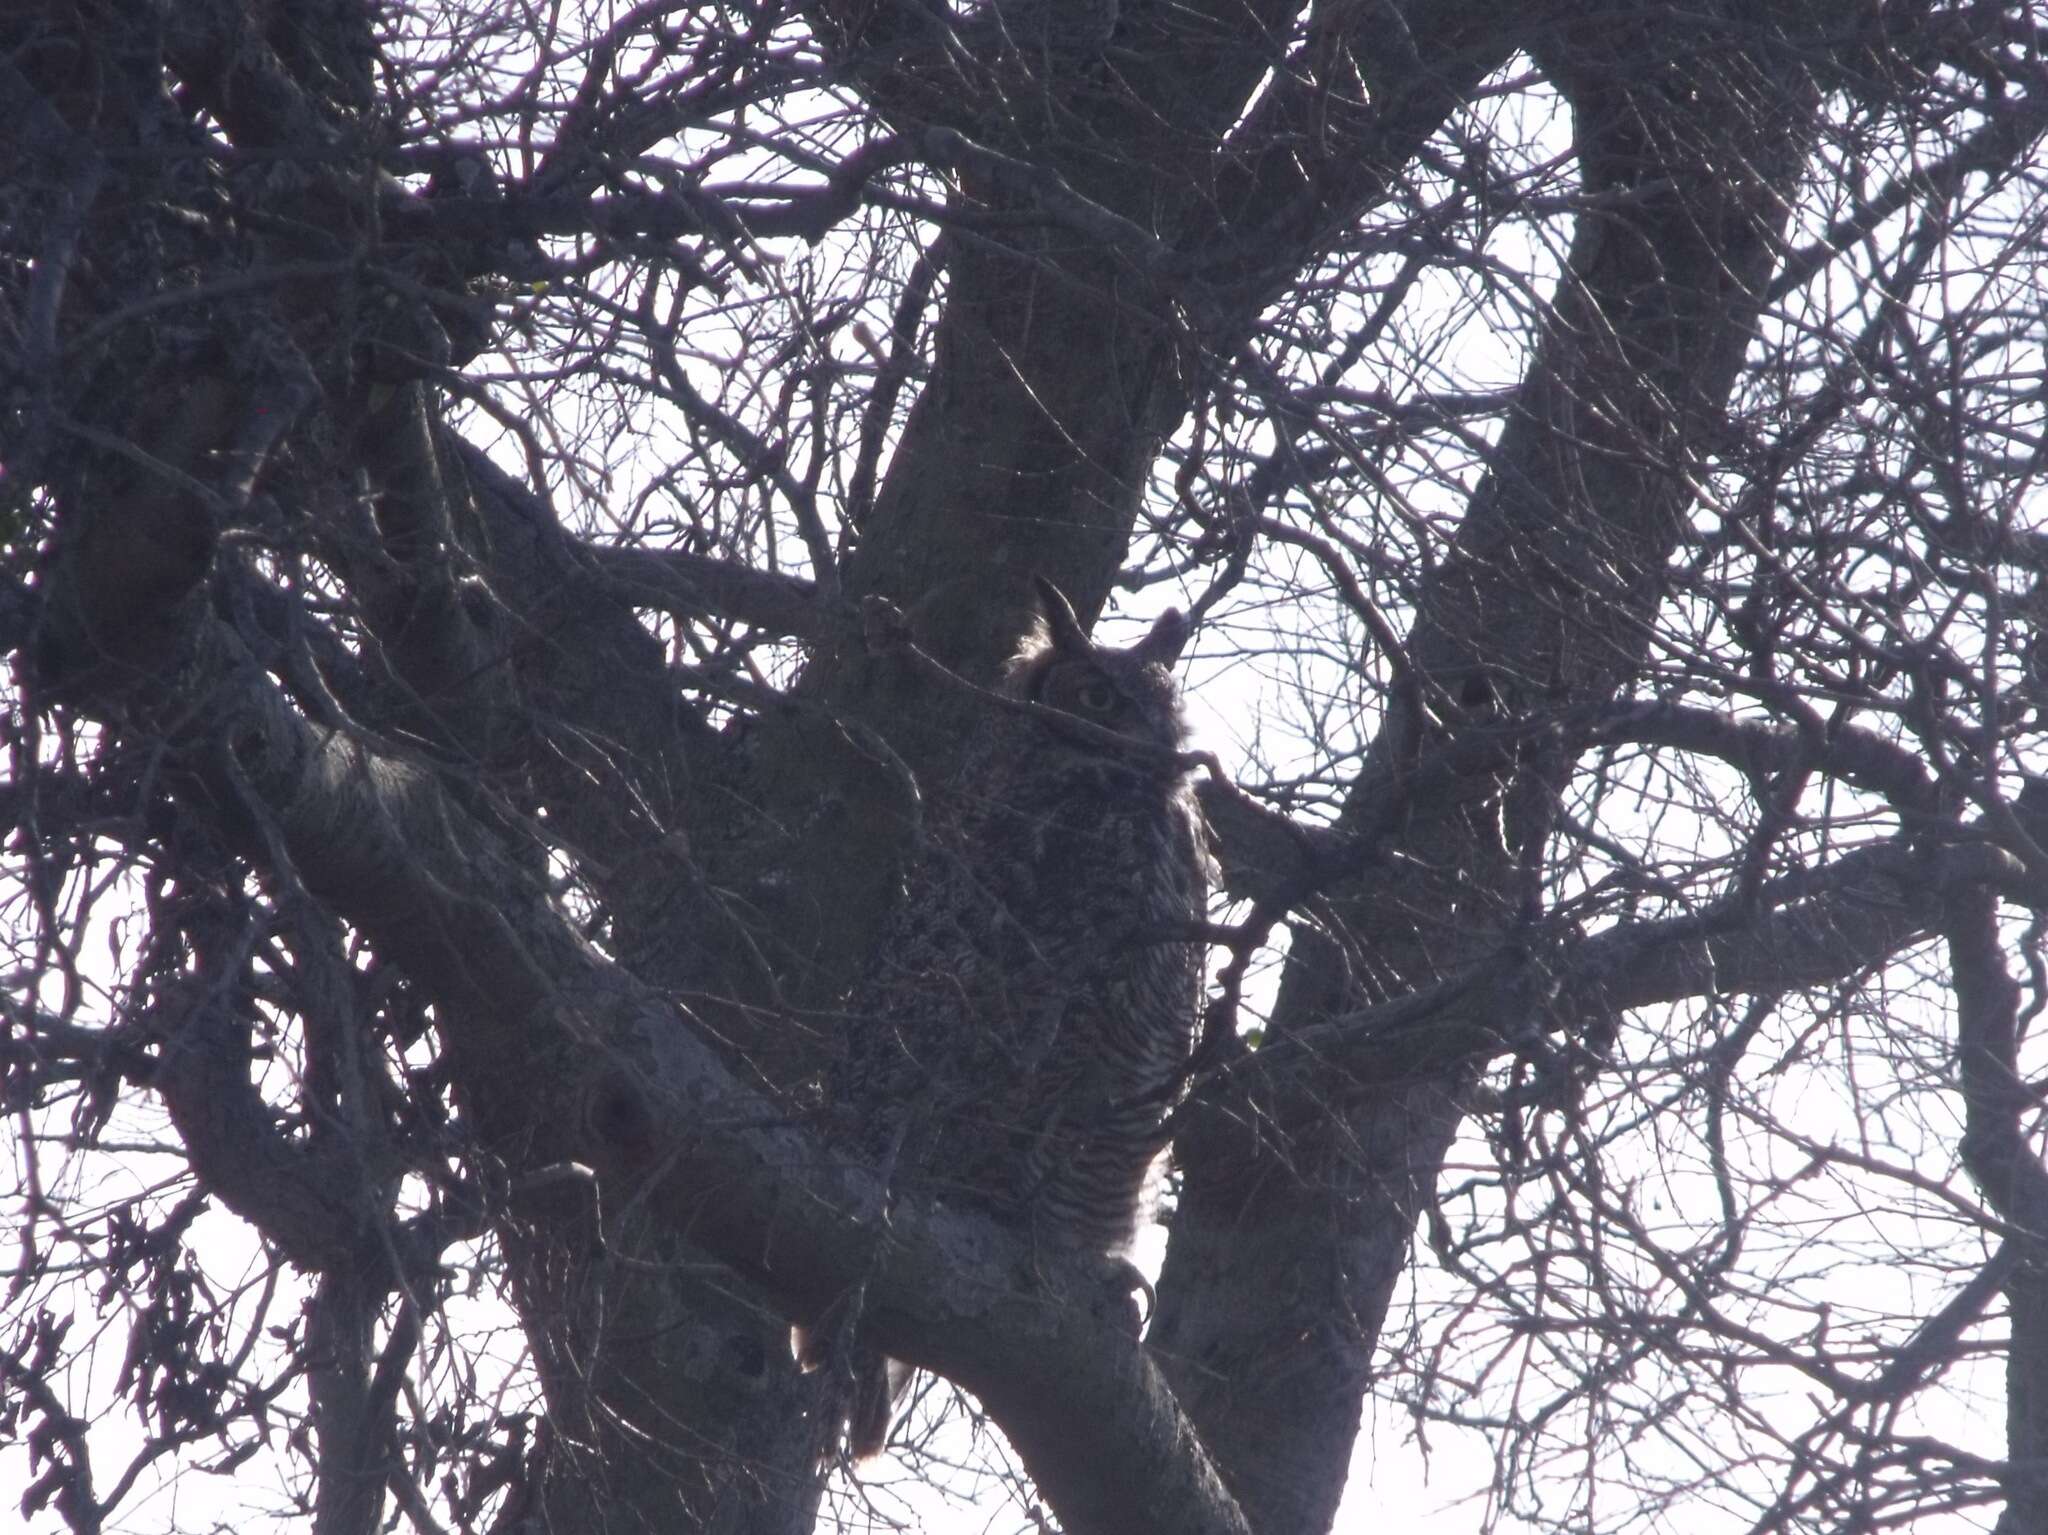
(1130, 691)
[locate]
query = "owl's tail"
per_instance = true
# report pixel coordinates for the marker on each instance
(879, 1386)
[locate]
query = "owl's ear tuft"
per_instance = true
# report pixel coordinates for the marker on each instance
(1068, 637)
(1162, 645)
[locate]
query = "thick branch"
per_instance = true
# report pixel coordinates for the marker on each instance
(1857, 756)
(561, 1053)
(307, 1201)
(2007, 1166)
(696, 585)
(1361, 92)
(1547, 592)
(1834, 924)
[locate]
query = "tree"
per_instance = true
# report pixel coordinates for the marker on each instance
(506, 507)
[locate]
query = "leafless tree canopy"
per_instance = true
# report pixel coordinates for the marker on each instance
(508, 509)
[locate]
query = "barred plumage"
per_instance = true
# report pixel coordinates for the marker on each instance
(1018, 1044)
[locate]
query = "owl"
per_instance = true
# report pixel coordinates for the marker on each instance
(1017, 1044)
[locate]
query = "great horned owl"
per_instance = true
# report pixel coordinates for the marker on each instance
(1021, 1037)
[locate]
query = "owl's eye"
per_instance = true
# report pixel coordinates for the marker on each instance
(1095, 696)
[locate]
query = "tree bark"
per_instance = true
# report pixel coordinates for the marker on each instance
(1576, 518)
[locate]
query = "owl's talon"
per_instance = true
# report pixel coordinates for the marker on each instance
(1129, 1280)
